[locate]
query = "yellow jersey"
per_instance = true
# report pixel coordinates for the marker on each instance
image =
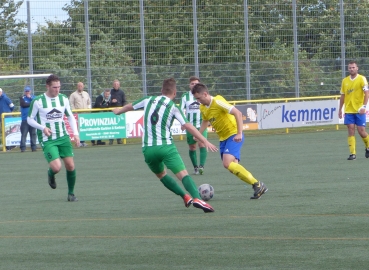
(353, 89)
(218, 114)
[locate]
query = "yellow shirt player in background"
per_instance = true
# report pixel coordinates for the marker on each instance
(354, 94)
(227, 122)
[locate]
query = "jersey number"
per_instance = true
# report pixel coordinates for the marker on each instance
(154, 118)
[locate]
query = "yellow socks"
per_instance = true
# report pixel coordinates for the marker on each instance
(366, 141)
(242, 173)
(352, 144)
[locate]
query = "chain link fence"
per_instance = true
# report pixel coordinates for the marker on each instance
(250, 49)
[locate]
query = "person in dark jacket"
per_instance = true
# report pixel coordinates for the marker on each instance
(102, 101)
(25, 102)
(6, 106)
(118, 99)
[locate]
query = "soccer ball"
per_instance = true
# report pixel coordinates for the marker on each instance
(206, 192)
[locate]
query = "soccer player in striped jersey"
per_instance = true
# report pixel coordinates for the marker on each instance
(355, 94)
(228, 124)
(157, 142)
(191, 107)
(46, 114)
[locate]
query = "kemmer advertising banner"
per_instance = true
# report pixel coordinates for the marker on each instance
(105, 125)
(298, 114)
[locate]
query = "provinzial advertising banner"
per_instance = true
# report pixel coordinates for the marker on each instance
(105, 125)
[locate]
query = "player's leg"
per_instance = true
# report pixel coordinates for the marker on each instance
(67, 154)
(192, 151)
(360, 124)
(230, 162)
(174, 162)
(51, 154)
(350, 123)
(154, 156)
(203, 153)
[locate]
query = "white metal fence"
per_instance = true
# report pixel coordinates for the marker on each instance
(242, 49)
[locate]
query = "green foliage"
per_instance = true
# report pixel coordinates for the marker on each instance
(116, 45)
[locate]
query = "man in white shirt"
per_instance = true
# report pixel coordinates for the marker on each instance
(80, 100)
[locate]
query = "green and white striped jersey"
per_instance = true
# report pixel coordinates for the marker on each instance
(49, 112)
(192, 108)
(159, 114)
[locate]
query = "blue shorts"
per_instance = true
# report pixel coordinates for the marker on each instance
(229, 146)
(355, 118)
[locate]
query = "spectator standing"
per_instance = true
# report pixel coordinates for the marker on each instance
(117, 99)
(6, 106)
(80, 100)
(25, 102)
(102, 101)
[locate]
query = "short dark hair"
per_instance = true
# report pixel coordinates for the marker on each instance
(352, 62)
(169, 86)
(199, 88)
(52, 78)
(194, 78)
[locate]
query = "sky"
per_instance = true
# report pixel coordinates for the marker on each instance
(42, 10)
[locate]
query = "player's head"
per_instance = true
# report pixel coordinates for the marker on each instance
(353, 68)
(193, 81)
(201, 93)
(52, 78)
(52, 86)
(169, 88)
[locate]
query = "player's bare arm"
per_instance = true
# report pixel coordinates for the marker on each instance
(342, 99)
(123, 109)
(238, 115)
(191, 129)
(204, 125)
(362, 110)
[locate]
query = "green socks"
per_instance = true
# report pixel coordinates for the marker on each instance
(71, 179)
(190, 186)
(193, 157)
(172, 185)
(203, 155)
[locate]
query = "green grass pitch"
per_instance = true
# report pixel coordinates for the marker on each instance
(314, 216)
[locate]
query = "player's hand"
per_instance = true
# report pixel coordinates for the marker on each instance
(116, 111)
(339, 114)
(76, 140)
(211, 147)
(47, 131)
(237, 138)
(362, 110)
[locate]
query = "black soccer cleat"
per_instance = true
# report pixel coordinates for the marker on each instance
(367, 152)
(352, 157)
(51, 180)
(259, 189)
